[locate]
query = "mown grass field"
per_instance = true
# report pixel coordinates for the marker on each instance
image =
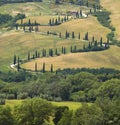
(90, 25)
(20, 43)
(114, 7)
(109, 59)
(72, 105)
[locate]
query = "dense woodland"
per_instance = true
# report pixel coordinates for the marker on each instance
(100, 87)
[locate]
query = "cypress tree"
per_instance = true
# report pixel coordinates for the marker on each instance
(14, 61)
(73, 35)
(56, 22)
(35, 66)
(33, 56)
(86, 36)
(78, 35)
(93, 39)
(43, 69)
(50, 22)
(101, 41)
(51, 68)
(81, 13)
(18, 66)
(28, 56)
(89, 45)
(29, 23)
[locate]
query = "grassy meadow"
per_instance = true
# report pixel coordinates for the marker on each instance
(21, 43)
(90, 25)
(114, 7)
(109, 59)
(72, 105)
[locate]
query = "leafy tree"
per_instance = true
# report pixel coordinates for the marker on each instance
(88, 115)
(58, 114)
(66, 118)
(6, 117)
(33, 112)
(73, 35)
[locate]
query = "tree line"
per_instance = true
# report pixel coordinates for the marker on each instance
(17, 1)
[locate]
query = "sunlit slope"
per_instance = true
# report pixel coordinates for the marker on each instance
(114, 7)
(90, 25)
(109, 59)
(20, 43)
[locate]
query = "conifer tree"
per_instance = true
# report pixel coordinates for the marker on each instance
(43, 69)
(50, 22)
(15, 60)
(18, 65)
(35, 66)
(78, 35)
(28, 56)
(56, 22)
(101, 41)
(51, 68)
(73, 35)
(86, 36)
(81, 13)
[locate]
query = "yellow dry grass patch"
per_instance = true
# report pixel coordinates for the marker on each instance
(90, 25)
(108, 59)
(114, 7)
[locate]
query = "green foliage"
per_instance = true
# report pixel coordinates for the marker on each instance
(5, 18)
(88, 115)
(33, 112)
(6, 117)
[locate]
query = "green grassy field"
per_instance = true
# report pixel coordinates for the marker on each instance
(113, 7)
(109, 59)
(72, 105)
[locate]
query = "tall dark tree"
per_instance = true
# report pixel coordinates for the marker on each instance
(35, 66)
(18, 65)
(51, 68)
(81, 13)
(50, 22)
(86, 36)
(28, 56)
(15, 60)
(73, 35)
(101, 41)
(43, 69)
(78, 35)
(71, 49)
